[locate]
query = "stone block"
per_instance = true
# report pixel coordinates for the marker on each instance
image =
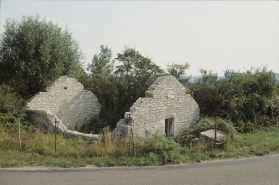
(209, 135)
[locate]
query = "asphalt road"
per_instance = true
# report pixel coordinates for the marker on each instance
(260, 170)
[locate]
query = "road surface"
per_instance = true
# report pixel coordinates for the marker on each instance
(257, 170)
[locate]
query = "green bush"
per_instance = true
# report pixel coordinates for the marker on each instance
(110, 118)
(94, 126)
(240, 97)
(12, 106)
(155, 144)
(156, 149)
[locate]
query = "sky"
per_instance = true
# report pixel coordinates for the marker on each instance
(212, 35)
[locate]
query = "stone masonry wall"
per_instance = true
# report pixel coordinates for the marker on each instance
(166, 98)
(48, 121)
(67, 99)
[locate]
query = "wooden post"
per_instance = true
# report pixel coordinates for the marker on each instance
(133, 142)
(55, 136)
(215, 136)
(18, 120)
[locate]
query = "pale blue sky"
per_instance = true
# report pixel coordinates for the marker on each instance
(211, 35)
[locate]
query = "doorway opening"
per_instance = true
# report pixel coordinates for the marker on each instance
(169, 127)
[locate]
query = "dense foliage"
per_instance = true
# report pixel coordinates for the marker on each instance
(137, 71)
(12, 106)
(33, 53)
(119, 90)
(245, 98)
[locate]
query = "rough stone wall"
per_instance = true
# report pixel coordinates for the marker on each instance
(67, 99)
(48, 121)
(166, 98)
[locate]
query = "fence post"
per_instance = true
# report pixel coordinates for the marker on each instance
(133, 142)
(18, 120)
(215, 135)
(55, 136)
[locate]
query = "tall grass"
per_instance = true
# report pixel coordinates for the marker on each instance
(38, 149)
(35, 141)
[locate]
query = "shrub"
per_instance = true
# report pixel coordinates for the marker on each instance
(155, 144)
(93, 126)
(110, 118)
(159, 149)
(240, 97)
(12, 106)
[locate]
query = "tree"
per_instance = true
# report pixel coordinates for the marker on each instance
(138, 72)
(102, 65)
(100, 75)
(249, 99)
(34, 53)
(177, 70)
(117, 92)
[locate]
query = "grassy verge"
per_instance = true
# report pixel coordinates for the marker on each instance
(38, 149)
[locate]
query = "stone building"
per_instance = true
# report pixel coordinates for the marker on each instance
(165, 109)
(67, 102)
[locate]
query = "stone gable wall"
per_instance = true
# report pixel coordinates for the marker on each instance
(67, 99)
(165, 98)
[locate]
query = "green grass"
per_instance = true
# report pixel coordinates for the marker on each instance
(38, 149)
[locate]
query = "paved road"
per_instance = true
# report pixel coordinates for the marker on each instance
(262, 170)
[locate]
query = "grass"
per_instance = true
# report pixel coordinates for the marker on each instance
(38, 149)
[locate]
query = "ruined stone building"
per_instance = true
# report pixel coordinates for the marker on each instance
(67, 102)
(165, 109)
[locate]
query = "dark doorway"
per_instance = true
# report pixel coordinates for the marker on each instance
(169, 127)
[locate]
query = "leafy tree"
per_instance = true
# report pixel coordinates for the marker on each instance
(138, 72)
(101, 78)
(117, 92)
(246, 98)
(34, 53)
(102, 66)
(177, 70)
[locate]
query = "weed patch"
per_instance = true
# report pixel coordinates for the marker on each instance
(38, 149)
